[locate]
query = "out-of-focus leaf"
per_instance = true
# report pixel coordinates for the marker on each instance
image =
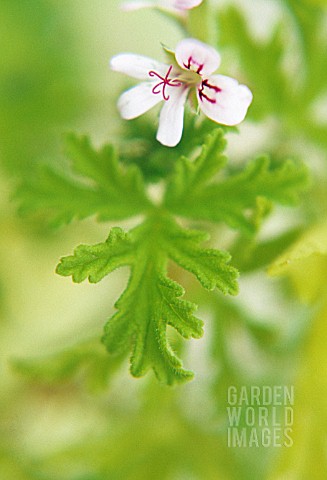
(234, 199)
(249, 255)
(151, 300)
(305, 262)
(307, 458)
(308, 16)
(267, 70)
(261, 64)
(87, 362)
(100, 186)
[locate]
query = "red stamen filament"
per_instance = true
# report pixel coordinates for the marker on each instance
(161, 86)
(190, 62)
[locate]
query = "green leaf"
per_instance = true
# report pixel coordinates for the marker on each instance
(210, 266)
(151, 301)
(311, 244)
(97, 185)
(148, 305)
(191, 176)
(88, 358)
(304, 262)
(309, 20)
(96, 261)
(249, 255)
(236, 198)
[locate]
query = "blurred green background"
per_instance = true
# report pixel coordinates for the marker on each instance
(79, 415)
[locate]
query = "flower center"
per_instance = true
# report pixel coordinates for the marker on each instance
(165, 81)
(193, 65)
(205, 84)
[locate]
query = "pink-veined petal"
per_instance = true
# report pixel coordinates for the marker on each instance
(224, 100)
(197, 56)
(136, 66)
(137, 100)
(185, 4)
(171, 118)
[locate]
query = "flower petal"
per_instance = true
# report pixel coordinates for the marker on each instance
(224, 100)
(165, 4)
(186, 4)
(197, 56)
(137, 100)
(171, 118)
(136, 66)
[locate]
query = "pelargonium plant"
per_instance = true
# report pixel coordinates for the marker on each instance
(197, 193)
(202, 197)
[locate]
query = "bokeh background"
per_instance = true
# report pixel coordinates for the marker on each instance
(76, 414)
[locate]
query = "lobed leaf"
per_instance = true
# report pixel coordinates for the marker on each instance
(151, 300)
(210, 266)
(98, 185)
(189, 176)
(150, 303)
(96, 261)
(234, 199)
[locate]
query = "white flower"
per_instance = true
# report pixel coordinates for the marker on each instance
(219, 97)
(173, 5)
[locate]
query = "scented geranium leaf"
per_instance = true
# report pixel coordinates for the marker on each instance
(102, 166)
(148, 305)
(191, 176)
(58, 199)
(96, 261)
(237, 197)
(209, 265)
(97, 185)
(152, 301)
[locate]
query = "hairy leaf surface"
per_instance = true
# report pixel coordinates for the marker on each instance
(152, 301)
(234, 199)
